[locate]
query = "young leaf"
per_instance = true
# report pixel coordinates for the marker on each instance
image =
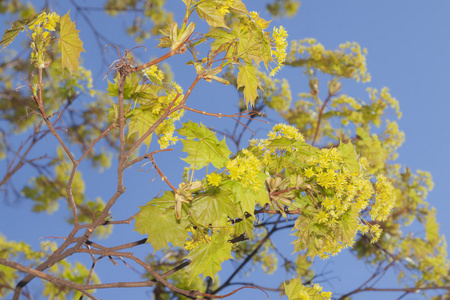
(207, 10)
(248, 79)
(18, 26)
(205, 149)
(157, 220)
(207, 258)
(432, 227)
(140, 120)
(215, 207)
(350, 157)
(69, 44)
(248, 197)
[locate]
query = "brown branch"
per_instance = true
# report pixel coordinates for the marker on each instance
(94, 142)
(319, 120)
(247, 259)
(120, 247)
(234, 292)
(141, 158)
(408, 290)
(12, 170)
(245, 114)
(50, 278)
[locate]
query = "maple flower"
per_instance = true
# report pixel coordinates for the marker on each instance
(155, 72)
(245, 169)
(279, 37)
(214, 179)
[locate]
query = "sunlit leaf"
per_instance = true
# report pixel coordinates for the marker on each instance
(207, 258)
(18, 26)
(203, 146)
(69, 44)
(247, 78)
(157, 220)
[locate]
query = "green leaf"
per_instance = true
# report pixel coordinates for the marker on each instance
(347, 226)
(247, 78)
(17, 27)
(203, 147)
(69, 44)
(207, 258)
(157, 220)
(221, 37)
(295, 290)
(239, 6)
(432, 227)
(245, 226)
(215, 207)
(248, 197)
(139, 121)
(348, 152)
(207, 10)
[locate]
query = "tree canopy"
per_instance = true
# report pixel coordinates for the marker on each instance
(317, 170)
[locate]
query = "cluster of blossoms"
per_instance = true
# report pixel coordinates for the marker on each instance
(214, 179)
(347, 61)
(384, 98)
(153, 71)
(283, 130)
(245, 168)
(198, 237)
(279, 37)
(278, 131)
(384, 199)
(258, 20)
(225, 8)
(44, 21)
(166, 129)
(345, 190)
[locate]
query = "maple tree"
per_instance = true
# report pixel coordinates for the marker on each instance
(335, 187)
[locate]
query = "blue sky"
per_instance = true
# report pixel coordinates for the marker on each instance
(408, 51)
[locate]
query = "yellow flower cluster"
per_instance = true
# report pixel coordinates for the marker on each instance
(44, 21)
(285, 130)
(225, 8)
(347, 61)
(279, 37)
(385, 199)
(258, 20)
(245, 168)
(153, 71)
(347, 190)
(198, 237)
(214, 179)
(278, 131)
(384, 97)
(166, 129)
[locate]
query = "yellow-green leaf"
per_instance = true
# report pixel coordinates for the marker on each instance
(18, 26)
(207, 258)
(247, 78)
(69, 44)
(432, 227)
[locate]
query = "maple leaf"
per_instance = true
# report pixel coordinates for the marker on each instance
(215, 207)
(348, 152)
(157, 220)
(247, 78)
(17, 27)
(203, 146)
(69, 44)
(207, 10)
(208, 257)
